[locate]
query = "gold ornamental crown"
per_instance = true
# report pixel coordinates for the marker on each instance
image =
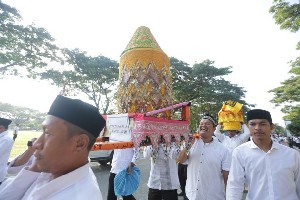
(231, 116)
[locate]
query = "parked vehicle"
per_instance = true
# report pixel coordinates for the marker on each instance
(101, 156)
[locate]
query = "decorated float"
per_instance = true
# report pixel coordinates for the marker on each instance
(144, 100)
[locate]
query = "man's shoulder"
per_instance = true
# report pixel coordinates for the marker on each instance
(285, 148)
(87, 181)
(7, 138)
(220, 145)
(244, 146)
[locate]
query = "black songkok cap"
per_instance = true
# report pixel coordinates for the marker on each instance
(259, 114)
(79, 113)
(5, 122)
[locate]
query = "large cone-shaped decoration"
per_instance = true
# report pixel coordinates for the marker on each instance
(145, 81)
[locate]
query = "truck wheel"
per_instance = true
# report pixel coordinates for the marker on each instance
(103, 162)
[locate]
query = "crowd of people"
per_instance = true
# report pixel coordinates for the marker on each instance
(216, 165)
(291, 141)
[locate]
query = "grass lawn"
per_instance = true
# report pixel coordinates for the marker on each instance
(20, 144)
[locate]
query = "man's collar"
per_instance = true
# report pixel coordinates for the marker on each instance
(275, 145)
(211, 140)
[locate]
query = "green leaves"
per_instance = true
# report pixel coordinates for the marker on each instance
(93, 76)
(27, 118)
(23, 47)
(287, 15)
(203, 85)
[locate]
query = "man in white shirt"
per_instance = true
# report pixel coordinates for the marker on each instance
(208, 164)
(182, 170)
(271, 170)
(122, 159)
(232, 138)
(61, 169)
(6, 143)
(16, 131)
(163, 181)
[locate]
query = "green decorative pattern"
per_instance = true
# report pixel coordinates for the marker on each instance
(142, 38)
(145, 79)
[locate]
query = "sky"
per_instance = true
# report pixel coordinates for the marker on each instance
(237, 33)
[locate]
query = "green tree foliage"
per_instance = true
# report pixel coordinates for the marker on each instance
(93, 76)
(294, 117)
(278, 129)
(32, 49)
(204, 86)
(23, 47)
(287, 15)
(28, 119)
(289, 91)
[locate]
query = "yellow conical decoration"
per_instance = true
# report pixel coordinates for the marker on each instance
(145, 80)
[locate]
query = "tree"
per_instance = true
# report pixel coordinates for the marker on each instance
(28, 119)
(203, 85)
(93, 76)
(23, 47)
(279, 129)
(289, 91)
(293, 116)
(287, 15)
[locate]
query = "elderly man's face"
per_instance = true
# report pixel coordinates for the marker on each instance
(206, 128)
(55, 148)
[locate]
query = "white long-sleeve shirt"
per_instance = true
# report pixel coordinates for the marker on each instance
(273, 175)
(76, 185)
(13, 170)
(163, 172)
(122, 158)
(6, 143)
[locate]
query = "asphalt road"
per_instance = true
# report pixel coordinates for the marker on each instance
(102, 174)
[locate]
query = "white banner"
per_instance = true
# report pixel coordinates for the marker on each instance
(118, 127)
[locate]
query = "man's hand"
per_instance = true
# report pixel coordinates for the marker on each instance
(129, 168)
(182, 156)
(30, 145)
(23, 158)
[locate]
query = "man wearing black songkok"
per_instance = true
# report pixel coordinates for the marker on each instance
(61, 169)
(208, 163)
(271, 170)
(6, 143)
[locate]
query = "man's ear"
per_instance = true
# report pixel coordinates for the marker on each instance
(81, 142)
